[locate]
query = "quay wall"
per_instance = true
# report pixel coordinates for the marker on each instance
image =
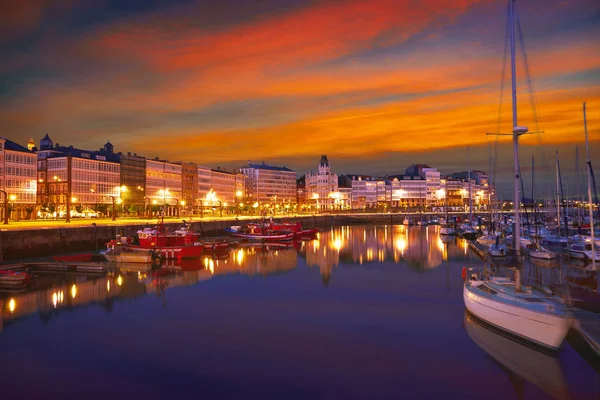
(20, 244)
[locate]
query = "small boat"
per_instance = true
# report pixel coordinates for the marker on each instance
(468, 232)
(213, 246)
(487, 240)
(406, 221)
(10, 278)
(523, 313)
(260, 232)
(422, 222)
(534, 250)
(577, 250)
(290, 227)
(160, 236)
(164, 252)
(498, 249)
(555, 241)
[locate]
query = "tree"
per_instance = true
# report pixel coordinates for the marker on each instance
(29, 211)
(79, 208)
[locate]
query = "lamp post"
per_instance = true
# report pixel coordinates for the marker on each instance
(177, 207)
(5, 207)
(238, 195)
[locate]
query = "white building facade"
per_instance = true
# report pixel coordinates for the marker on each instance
(322, 187)
(269, 184)
(18, 178)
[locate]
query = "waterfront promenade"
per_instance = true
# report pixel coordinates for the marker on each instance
(128, 220)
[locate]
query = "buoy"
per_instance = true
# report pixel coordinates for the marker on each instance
(464, 273)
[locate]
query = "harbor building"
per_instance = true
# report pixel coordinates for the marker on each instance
(75, 182)
(322, 187)
(189, 187)
(18, 179)
(133, 183)
(270, 186)
(163, 186)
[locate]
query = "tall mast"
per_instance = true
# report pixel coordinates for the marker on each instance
(589, 175)
(578, 178)
(516, 129)
(470, 201)
(557, 200)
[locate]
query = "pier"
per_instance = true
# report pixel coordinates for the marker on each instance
(587, 325)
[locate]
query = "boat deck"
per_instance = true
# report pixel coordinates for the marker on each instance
(588, 326)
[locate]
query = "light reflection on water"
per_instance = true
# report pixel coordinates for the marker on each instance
(378, 295)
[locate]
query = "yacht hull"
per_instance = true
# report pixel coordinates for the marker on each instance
(543, 329)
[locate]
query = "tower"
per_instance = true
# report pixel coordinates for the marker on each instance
(46, 143)
(31, 144)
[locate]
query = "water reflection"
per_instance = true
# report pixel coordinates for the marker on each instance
(520, 363)
(421, 248)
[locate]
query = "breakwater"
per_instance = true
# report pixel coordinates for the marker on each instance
(20, 244)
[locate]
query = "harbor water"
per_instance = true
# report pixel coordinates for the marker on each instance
(361, 312)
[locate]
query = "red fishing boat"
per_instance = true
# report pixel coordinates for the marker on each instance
(9, 278)
(160, 236)
(216, 245)
(291, 227)
(260, 232)
(166, 252)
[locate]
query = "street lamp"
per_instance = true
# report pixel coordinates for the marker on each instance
(12, 200)
(238, 195)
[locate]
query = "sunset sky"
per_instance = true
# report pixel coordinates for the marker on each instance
(375, 85)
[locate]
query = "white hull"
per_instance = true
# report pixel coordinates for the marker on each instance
(542, 255)
(578, 255)
(487, 240)
(588, 255)
(542, 328)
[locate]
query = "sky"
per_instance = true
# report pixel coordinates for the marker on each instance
(376, 85)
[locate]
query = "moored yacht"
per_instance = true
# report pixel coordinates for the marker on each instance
(523, 313)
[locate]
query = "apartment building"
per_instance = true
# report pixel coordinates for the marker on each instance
(73, 181)
(18, 179)
(269, 184)
(164, 185)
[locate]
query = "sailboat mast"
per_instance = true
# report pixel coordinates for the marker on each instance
(578, 177)
(513, 69)
(557, 197)
(470, 201)
(589, 175)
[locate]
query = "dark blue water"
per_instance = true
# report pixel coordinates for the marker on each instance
(360, 313)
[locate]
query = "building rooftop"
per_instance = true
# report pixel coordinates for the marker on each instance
(269, 167)
(63, 151)
(10, 145)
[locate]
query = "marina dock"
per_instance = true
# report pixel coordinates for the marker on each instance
(588, 327)
(96, 267)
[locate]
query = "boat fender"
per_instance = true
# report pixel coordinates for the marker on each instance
(464, 273)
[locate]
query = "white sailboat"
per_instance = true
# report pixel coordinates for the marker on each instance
(501, 302)
(523, 313)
